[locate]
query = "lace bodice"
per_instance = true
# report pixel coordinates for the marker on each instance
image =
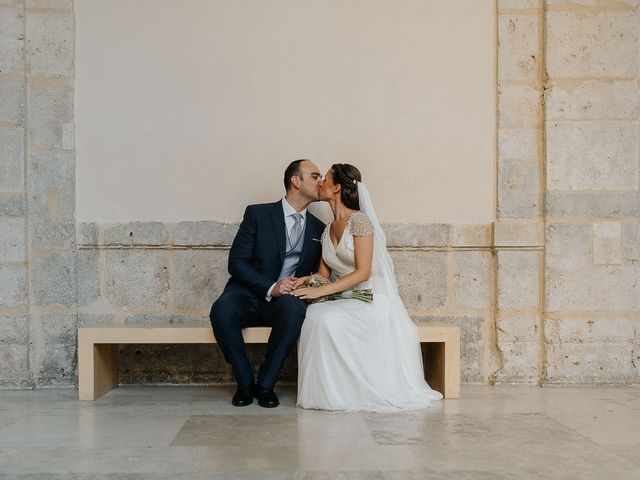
(341, 258)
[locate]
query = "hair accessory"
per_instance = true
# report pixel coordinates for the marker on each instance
(354, 181)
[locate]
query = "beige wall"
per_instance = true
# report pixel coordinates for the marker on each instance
(191, 113)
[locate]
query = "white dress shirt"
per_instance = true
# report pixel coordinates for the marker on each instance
(289, 223)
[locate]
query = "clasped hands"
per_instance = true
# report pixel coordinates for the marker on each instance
(296, 287)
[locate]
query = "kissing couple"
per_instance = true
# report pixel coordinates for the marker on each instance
(353, 355)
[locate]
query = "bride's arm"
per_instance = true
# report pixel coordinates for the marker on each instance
(363, 251)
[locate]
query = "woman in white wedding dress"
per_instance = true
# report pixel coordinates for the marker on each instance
(354, 355)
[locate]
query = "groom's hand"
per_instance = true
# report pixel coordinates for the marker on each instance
(283, 287)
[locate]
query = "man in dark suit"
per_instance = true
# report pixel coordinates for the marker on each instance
(276, 243)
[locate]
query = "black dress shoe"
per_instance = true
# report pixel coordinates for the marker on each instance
(243, 397)
(266, 398)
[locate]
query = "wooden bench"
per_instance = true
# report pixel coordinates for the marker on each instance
(98, 352)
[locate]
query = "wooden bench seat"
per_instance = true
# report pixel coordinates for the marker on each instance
(98, 352)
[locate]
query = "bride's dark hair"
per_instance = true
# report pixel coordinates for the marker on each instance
(346, 176)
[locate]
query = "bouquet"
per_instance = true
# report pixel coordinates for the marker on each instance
(316, 281)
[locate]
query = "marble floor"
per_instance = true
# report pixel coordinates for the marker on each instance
(502, 432)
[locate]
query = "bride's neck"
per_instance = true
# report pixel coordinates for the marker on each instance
(340, 211)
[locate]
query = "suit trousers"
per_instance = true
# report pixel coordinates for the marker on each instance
(240, 309)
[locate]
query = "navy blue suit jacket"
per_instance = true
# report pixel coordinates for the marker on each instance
(257, 252)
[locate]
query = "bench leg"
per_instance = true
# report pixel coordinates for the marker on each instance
(97, 369)
(434, 364)
(442, 367)
(452, 370)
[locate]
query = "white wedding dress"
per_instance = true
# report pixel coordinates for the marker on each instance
(358, 356)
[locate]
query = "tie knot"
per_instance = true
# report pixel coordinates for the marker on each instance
(297, 217)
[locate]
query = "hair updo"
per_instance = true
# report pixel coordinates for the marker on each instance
(346, 176)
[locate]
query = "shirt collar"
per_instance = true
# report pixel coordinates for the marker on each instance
(289, 210)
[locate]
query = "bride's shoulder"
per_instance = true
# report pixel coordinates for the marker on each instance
(360, 225)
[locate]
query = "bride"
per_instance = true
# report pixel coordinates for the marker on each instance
(353, 355)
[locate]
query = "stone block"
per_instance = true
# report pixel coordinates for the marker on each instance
(14, 330)
(11, 159)
(138, 278)
(593, 100)
(606, 5)
(607, 243)
(598, 44)
(514, 328)
(53, 279)
(592, 330)
(599, 288)
(12, 204)
(56, 365)
(519, 189)
(568, 246)
(598, 204)
(58, 4)
(87, 233)
(592, 350)
(518, 4)
(88, 275)
(149, 320)
(50, 106)
(519, 144)
(518, 47)
(50, 44)
(592, 156)
(519, 106)
(574, 283)
(58, 329)
(13, 286)
(50, 233)
(12, 101)
(416, 235)
(422, 278)
(95, 319)
(472, 235)
(136, 233)
(15, 365)
(473, 279)
(204, 233)
(472, 345)
(518, 233)
(200, 277)
(52, 184)
(68, 136)
(12, 40)
(631, 242)
(520, 363)
(12, 239)
(518, 279)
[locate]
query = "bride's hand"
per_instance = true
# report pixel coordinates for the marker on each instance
(309, 293)
(299, 282)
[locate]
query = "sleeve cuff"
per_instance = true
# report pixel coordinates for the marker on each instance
(268, 295)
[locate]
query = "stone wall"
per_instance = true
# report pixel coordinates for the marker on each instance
(170, 274)
(592, 113)
(550, 293)
(37, 194)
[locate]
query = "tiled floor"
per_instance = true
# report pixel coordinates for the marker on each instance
(177, 432)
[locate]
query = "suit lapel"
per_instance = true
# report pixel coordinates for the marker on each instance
(277, 219)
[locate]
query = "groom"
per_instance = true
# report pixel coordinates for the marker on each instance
(276, 243)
